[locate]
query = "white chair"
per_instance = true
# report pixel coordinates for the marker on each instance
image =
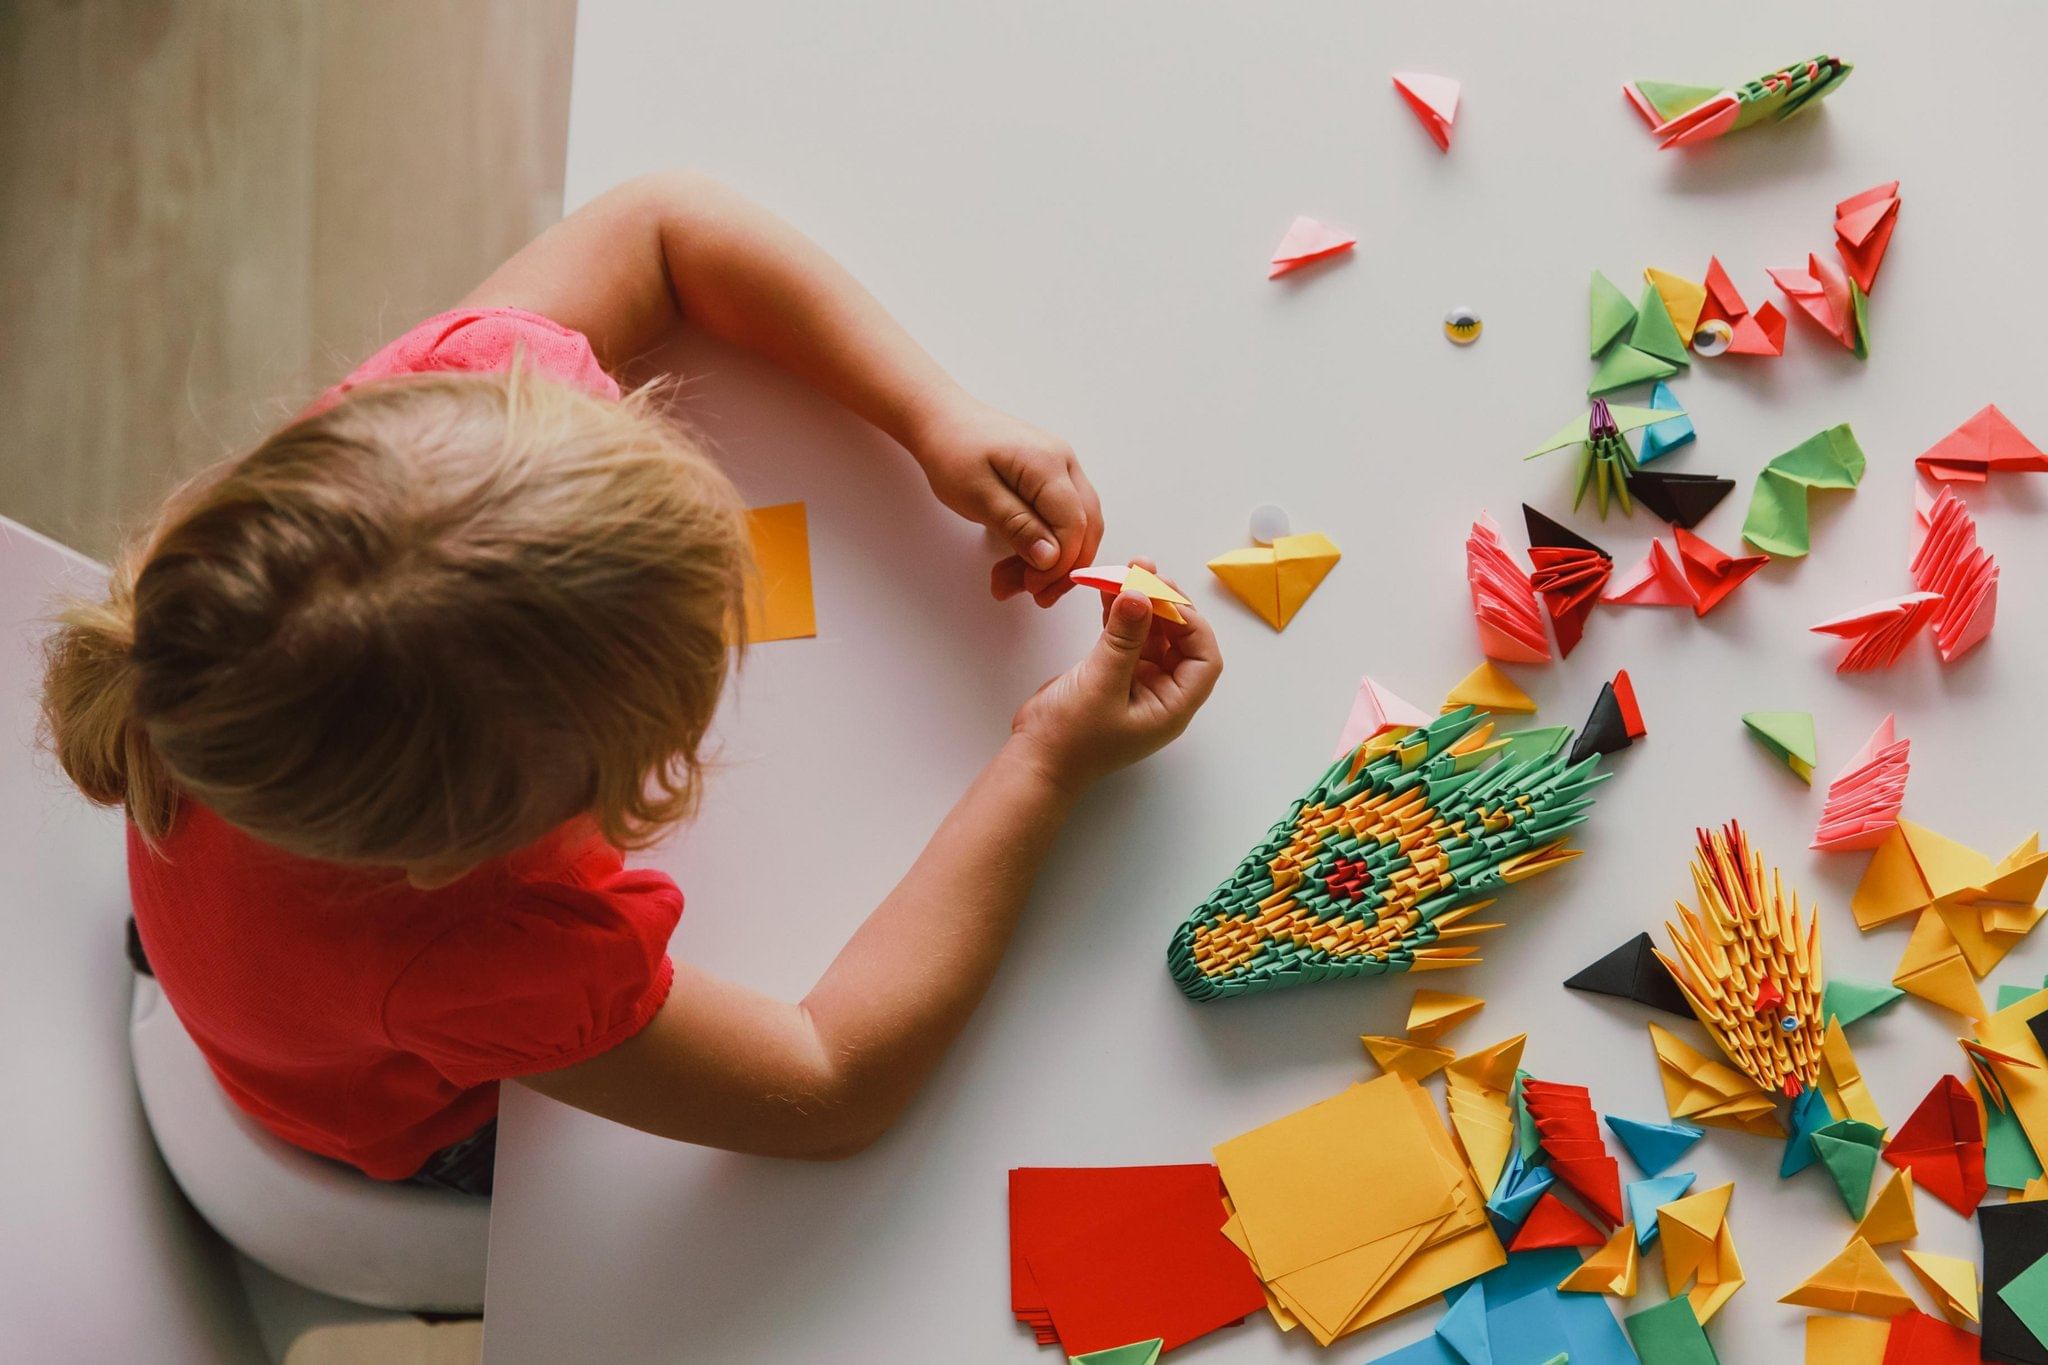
(313, 1221)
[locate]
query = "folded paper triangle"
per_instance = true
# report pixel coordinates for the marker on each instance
(1986, 444)
(1632, 972)
(1645, 1197)
(1863, 804)
(1489, 689)
(1789, 737)
(1609, 313)
(1863, 229)
(1613, 1269)
(1855, 1281)
(1848, 1148)
(1879, 633)
(1654, 1146)
(1759, 333)
(1891, 1218)
(1307, 241)
(1552, 1223)
(1682, 299)
(1656, 332)
(1845, 1001)
(1822, 292)
(1656, 582)
(1435, 1013)
(1626, 366)
(1605, 730)
(1569, 572)
(1809, 1114)
(1942, 1144)
(1504, 606)
(1275, 580)
(1699, 1249)
(1405, 1057)
(1681, 499)
(1661, 438)
(1376, 711)
(1115, 578)
(1703, 1090)
(1434, 100)
(1712, 572)
(1950, 1281)
(1951, 564)
(1137, 1353)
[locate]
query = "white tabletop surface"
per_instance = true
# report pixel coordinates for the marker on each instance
(1072, 204)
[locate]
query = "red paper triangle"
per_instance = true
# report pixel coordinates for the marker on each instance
(1942, 1144)
(1713, 573)
(1553, 1223)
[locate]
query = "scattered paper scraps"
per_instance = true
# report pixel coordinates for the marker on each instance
(1749, 962)
(1275, 580)
(2015, 1239)
(1703, 1090)
(1613, 1269)
(1987, 444)
(1654, 1147)
(1358, 1207)
(1137, 1353)
(1846, 1001)
(1699, 1249)
(1863, 804)
(1307, 241)
(1606, 460)
(1942, 1144)
(1606, 730)
(1848, 1148)
(1503, 604)
(1788, 736)
(1632, 972)
(1712, 572)
(1683, 302)
(1950, 1281)
(1462, 326)
(1570, 1133)
(1855, 1281)
(1553, 1223)
(1099, 1257)
(1682, 115)
(1712, 337)
(1829, 297)
(1777, 521)
(1376, 866)
(1917, 1339)
(1669, 1334)
(1890, 1217)
(1406, 1057)
(1609, 313)
(778, 601)
(1489, 689)
(1376, 713)
(1863, 229)
(1656, 582)
(1432, 1014)
(1681, 499)
(1845, 1341)
(1115, 578)
(1645, 1197)
(1434, 101)
(1569, 572)
(1879, 633)
(1950, 563)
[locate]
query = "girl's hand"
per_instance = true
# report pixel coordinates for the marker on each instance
(1021, 483)
(1131, 695)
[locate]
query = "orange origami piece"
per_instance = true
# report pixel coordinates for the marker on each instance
(1950, 1281)
(1115, 578)
(1949, 561)
(1417, 1061)
(1476, 1091)
(1435, 1013)
(1986, 444)
(1613, 1269)
(1972, 911)
(1275, 580)
(1891, 1217)
(1856, 1281)
(779, 605)
(1307, 241)
(1553, 1223)
(1656, 582)
(1489, 689)
(1434, 100)
(1503, 602)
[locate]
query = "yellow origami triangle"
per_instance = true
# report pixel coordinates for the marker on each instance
(1683, 299)
(1435, 1013)
(1613, 1269)
(1301, 562)
(1981, 945)
(1892, 887)
(1165, 600)
(1950, 1281)
(1891, 1218)
(1841, 1080)
(2037, 1188)
(1707, 1298)
(1933, 969)
(1490, 1068)
(1701, 1214)
(1945, 865)
(1697, 1087)
(1416, 1061)
(1254, 577)
(1854, 1282)
(1489, 689)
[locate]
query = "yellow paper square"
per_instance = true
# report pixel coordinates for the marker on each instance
(779, 603)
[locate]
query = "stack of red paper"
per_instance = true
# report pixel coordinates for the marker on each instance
(1570, 1133)
(1863, 801)
(1881, 631)
(1104, 1256)
(1510, 621)
(1569, 571)
(1949, 561)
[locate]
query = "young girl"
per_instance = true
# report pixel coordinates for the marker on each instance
(385, 699)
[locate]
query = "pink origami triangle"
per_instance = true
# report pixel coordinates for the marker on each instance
(1880, 632)
(1656, 582)
(1307, 241)
(1434, 100)
(1374, 711)
(1823, 295)
(1702, 123)
(1863, 801)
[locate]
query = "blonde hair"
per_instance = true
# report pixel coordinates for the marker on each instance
(427, 624)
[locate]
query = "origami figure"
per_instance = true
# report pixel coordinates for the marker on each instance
(1606, 460)
(1680, 115)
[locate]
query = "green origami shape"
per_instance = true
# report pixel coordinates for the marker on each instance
(1609, 311)
(1355, 878)
(1541, 742)
(1848, 1148)
(1669, 100)
(1860, 303)
(1846, 1001)
(1670, 1334)
(1137, 1353)
(1787, 734)
(1655, 333)
(1777, 522)
(1528, 1138)
(1788, 90)
(1605, 460)
(1625, 365)
(2026, 1294)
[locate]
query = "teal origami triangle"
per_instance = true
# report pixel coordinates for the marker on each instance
(1645, 1197)
(1625, 365)
(1661, 438)
(1654, 1146)
(1845, 1001)
(1137, 1353)
(1610, 312)
(1654, 331)
(1848, 1149)
(1809, 1115)
(1463, 1327)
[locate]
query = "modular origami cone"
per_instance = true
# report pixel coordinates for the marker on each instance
(1373, 869)
(1503, 604)
(1681, 115)
(1570, 1133)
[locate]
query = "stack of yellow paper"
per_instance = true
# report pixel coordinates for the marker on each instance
(1356, 1208)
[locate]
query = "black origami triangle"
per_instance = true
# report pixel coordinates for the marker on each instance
(1544, 531)
(1681, 499)
(1605, 731)
(1632, 972)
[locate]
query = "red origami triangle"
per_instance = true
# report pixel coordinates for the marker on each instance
(1553, 1223)
(1631, 710)
(1656, 582)
(1434, 101)
(1986, 444)
(1724, 301)
(1942, 1144)
(1761, 333)
(1306, 242)
(1713, 572)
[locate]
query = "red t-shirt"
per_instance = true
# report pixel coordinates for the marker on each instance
(362, 1019)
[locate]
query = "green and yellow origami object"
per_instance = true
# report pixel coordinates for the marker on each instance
(1682, 114)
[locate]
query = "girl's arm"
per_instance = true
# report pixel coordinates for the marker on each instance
(727, 1067)
(628, 268)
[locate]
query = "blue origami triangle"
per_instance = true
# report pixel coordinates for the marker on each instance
(1661, 438)
(1645, 1197)
(1809, 1115)
(1655, 1145)
(1463, 1327)
(1521, 1185)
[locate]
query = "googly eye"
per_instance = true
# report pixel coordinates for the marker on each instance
(1789, 1024)
(1462, 326)
(1712, 337)
(1269, 523)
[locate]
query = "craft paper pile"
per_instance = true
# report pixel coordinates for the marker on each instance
(1606, 460)
(1681, 115)
(1987, 444)
(1777, 519)
(1434, 101)
(1569, 572)
(778, 601)
(1517, 1314)
(1356, 1208)
(1669, 1334)
(1103, 1257)
(1307, 241)
(1879, 633)
(1950, 1281)
(1824, 293)
(1949, 563)
(1376, 867)
(1863, 801)
(1275, 580)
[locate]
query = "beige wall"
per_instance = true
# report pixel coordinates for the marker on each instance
(210, 208)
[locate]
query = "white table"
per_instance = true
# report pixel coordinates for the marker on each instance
(1072, 204)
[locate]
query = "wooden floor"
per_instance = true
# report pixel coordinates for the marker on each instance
(211, 208)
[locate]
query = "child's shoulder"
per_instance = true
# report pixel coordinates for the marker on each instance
(484, 341)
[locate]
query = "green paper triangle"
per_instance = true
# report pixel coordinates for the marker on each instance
(1670, 1334)
(1538, 743)
(1670, 99)
(1787, 734)
(1860, 301)
(1137, 1353)
(1849, 1150)
(1655, 332)
(1625, 365)
(1609, 311)
(1846, 1001)
(2009, 1159)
